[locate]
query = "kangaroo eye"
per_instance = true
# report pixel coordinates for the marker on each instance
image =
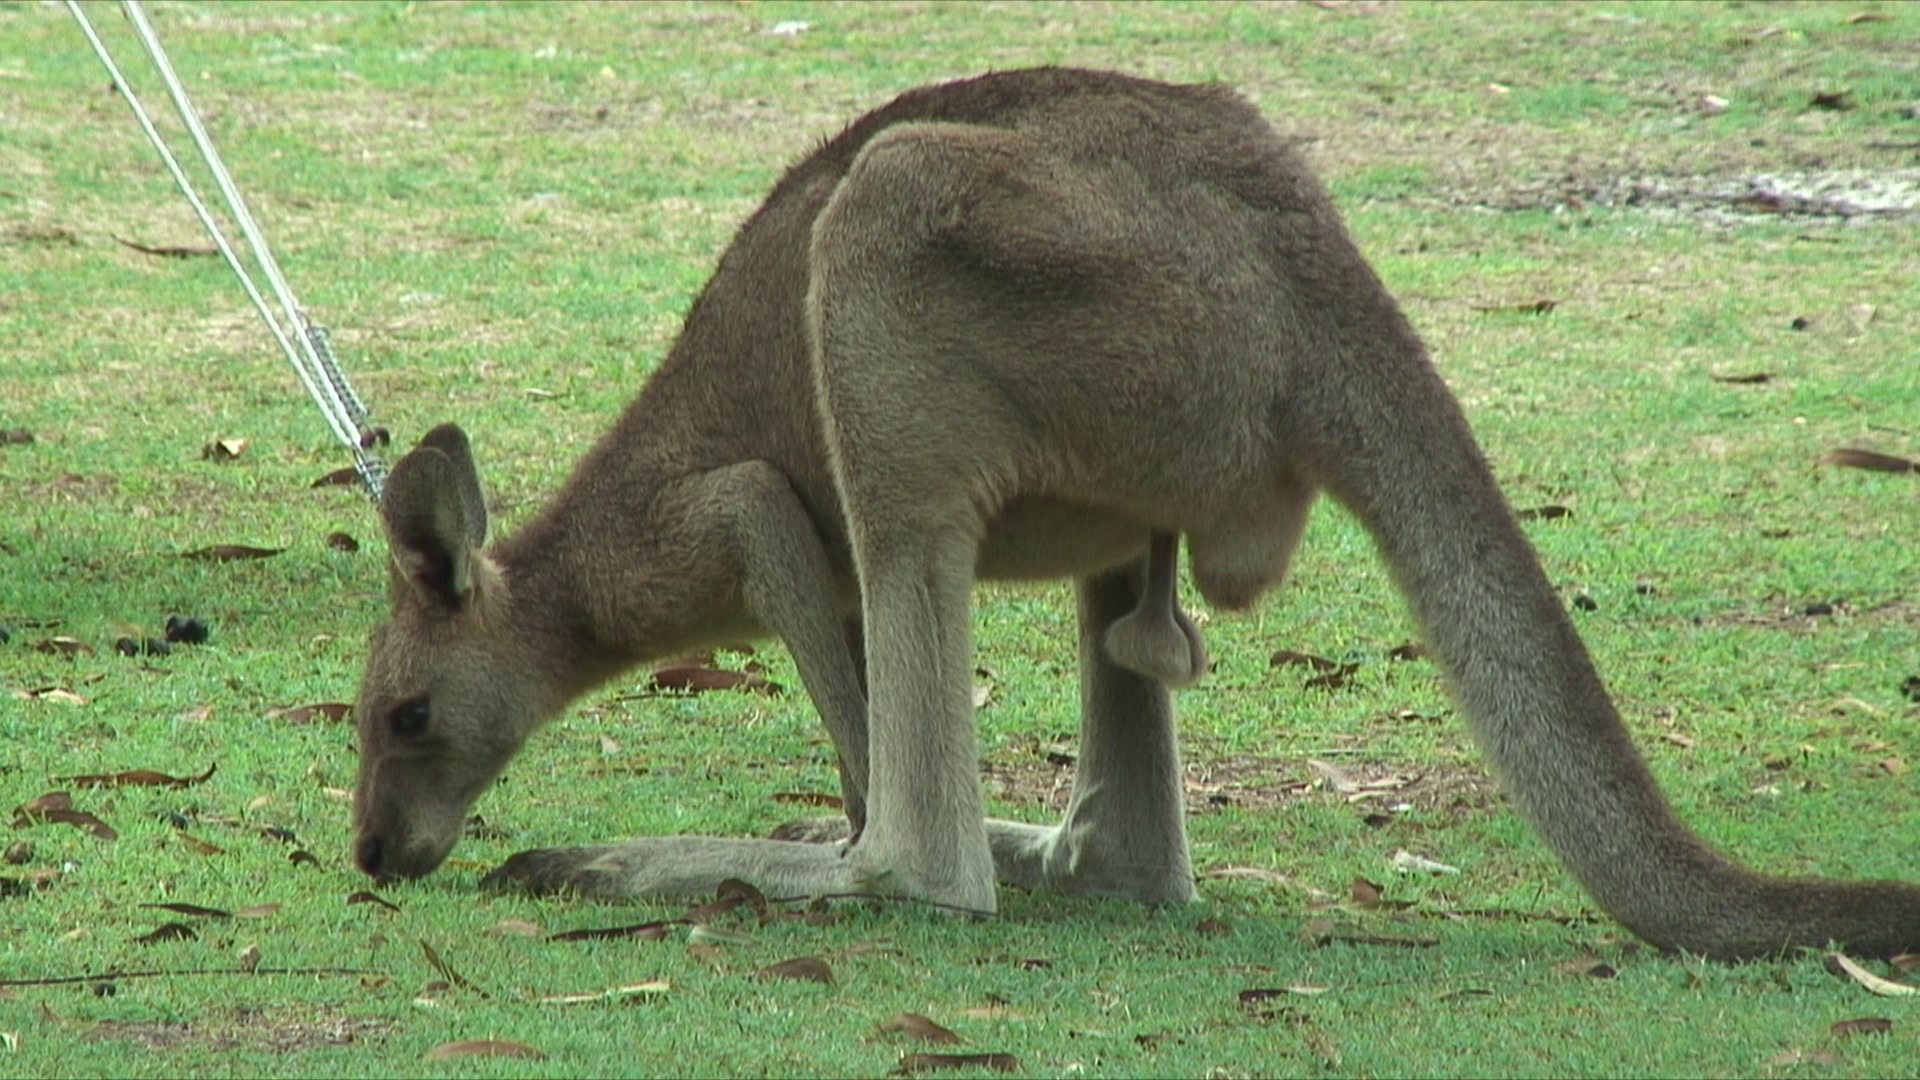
(409, 720)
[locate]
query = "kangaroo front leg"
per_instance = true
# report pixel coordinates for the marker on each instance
(788, 585)
(1124, 833)
(1157, 639)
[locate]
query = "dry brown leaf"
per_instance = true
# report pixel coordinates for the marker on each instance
(733, 889)
(365, 897)
(1587, 967)
(1874, 984)
(172, 931)
(199, 846)
(63, 646)
(338, 478)
(1290, 658)
(1846, 458)
(446, 971)
(1366, 894)
(1865, 1025)
(652, 931)
(51, 693)
(700, 680)
(332, 712)
(467, 1048)
(169, 251)
(339, 541)
(914, 1064)
(618, 993)
(1544, 513)
(223, 449)
(138, 778)
(1752, 378)
(916, 1026)
(192, 909)
(1529, 307)
(799, 969)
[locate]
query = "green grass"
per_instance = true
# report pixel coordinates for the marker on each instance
(489, 200)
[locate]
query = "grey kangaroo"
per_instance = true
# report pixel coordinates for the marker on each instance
(1038, 324)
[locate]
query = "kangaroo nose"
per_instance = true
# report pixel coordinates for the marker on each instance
(368, 854)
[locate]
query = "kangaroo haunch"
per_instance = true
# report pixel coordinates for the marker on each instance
(1037, 324)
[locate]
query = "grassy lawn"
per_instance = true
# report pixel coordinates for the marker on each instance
(1665, 254)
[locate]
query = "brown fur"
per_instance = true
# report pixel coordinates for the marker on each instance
(1035, 324)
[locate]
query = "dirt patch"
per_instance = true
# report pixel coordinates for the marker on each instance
(1260, 783)
(281, 1031)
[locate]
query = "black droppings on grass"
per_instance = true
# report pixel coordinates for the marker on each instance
(182, 630)
(127, 646)
(1584, 602)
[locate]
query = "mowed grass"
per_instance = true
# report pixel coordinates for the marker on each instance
(503, 210)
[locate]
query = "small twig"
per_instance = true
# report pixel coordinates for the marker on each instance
(70, 980)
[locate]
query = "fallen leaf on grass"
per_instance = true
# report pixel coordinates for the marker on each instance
(916, 1026)
(1867, 459)
(223, 449)
(618, 993)
(738, 892)
(172, 931)
(16, 437)
(231, 553)
(652, 931)
(191, 909)
(799, 969)
(338, 478)
(1263, 994)
(138, 778)
(700, 680)
(51, 693)
(1543, 513)
(169, 251)
(257, 911)
(914, 1064)
(339, 541)
(467, 1048)
(1290, 658)
(1420, 864)
(63, 646)
(1588, 967)
(1865, 1025)
(333, 712)
(1874, 984)
(364, 897)
(57, 807)
(1751, 378)
(446, 971)
(199, 846)
(1530, 307)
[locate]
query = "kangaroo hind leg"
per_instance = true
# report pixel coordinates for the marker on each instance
(1157, 639)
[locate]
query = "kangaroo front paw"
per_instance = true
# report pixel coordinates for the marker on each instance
(1163, 646)
(550, 871)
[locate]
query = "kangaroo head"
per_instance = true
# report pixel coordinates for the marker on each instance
(450, 692)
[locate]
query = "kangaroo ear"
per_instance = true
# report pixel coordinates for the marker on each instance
(436, 516)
